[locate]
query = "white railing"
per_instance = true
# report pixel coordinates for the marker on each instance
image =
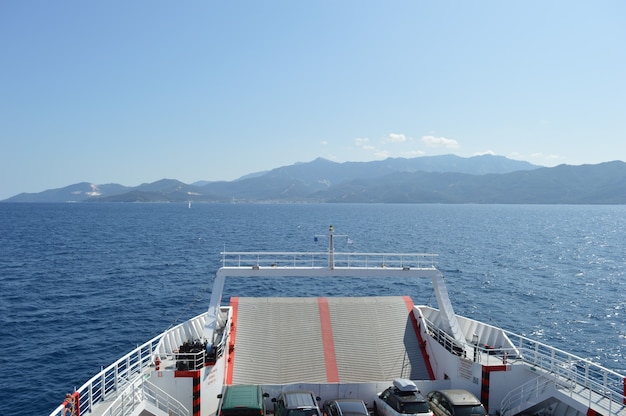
(526, 395)
(190, 360)
(141, 392)
(162, 400)
(446, 341)
(570, 374)
(486, 355)
(113, 379)
(324, 259)
(598, 386)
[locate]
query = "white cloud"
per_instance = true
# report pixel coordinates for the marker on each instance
(395, 138)
(414, 153)
(392, 140)
(486, 152)
(324, 142)
(432, 141)
(539, 155)
(542, 156)
(363, 143)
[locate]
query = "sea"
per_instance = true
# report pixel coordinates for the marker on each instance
(83, 284)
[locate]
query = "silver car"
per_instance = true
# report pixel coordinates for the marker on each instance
(455, 402)
(401, 399)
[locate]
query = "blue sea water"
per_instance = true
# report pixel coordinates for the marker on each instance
(82, 284)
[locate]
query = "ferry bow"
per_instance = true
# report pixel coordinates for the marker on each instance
(343, 347)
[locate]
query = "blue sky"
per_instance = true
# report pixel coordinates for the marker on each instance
(135, 91)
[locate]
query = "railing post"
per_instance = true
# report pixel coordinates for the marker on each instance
(331, 249)
(140, 360)
(115, 377)
(90, 401)
(103, 386)
(550, 366)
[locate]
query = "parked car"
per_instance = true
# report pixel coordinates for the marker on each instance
(242, 400)
(296, 403)
(403, 398)
(455, 402)
(345, 407)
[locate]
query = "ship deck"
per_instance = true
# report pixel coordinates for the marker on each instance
(324, 340)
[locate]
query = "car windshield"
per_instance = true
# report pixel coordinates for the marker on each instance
(469, 411)
(352, 408)
(416, 407)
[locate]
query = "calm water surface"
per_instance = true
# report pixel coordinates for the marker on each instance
(82, 284)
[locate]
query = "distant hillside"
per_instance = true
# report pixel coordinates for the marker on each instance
(440, 179)
(165, 190)
(304, 181)
(72, 193)
(604, 183)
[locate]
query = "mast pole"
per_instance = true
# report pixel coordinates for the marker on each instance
(331, 249)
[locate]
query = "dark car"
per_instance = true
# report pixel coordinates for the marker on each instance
(345, 407)
(456, 402)
(403, 398)
(296, 403)
(242, 400)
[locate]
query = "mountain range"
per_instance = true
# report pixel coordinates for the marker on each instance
(485, 179)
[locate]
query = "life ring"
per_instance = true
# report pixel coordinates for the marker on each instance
(70, 405)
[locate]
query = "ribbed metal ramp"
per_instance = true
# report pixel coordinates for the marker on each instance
(324, 340)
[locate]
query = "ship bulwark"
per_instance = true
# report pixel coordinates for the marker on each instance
(324, 340)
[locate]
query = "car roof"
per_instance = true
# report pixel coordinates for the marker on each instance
(405, 385)
(299, 398)
(460, 397)
(350, 405)
(242, 396)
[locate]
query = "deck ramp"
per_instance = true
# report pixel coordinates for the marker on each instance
(281, 340)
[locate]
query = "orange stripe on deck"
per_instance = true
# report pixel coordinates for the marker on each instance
(332, 374)
(234, 302)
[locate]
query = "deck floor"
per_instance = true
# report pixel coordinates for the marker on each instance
(324, 340)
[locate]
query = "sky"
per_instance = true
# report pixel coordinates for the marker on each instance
(131, 92)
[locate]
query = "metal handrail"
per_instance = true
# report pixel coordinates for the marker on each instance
(114, 378)
(321, 259)
(142, 391)
(559, 368)
(162, 400)
(490, 355)
(570, 370)
(515, 401)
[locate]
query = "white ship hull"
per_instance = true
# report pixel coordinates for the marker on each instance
(343, 347)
